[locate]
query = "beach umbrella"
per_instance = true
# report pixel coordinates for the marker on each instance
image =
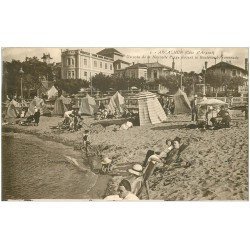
(211, 102)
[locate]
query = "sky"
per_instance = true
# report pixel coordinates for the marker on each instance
(187, 59)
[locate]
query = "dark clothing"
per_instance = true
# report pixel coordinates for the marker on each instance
(172, 156)
(222, 113)
(149, 153)
(194, 109)
(37, 117)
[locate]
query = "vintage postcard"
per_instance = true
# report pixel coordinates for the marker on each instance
(125, 124)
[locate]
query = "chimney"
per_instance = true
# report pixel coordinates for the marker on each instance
(205, 65)
(246, 64)
(173, 64)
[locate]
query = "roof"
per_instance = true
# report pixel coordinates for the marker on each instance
(156, 65)
(109, 51)
(119, 60)
(226, 65)
(137, 65)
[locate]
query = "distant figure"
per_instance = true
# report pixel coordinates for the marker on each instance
(172, 106)
(226, 120)
(37, 117)
(194, 108)
(85, 139)
(222, 112)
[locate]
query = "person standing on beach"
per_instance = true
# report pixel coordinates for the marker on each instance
(194, 108)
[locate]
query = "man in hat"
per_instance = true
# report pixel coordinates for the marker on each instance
(136, 178)
(194, 108)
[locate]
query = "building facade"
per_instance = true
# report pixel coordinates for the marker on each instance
(79, 64)
(227, 69)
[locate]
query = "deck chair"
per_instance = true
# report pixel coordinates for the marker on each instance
(149, 170)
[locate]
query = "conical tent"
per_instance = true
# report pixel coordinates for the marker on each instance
(53, 92)
(11, 111)
(59, 107)
(36, 102)
(88, 105)
(182, 104)
(150, 109)
(116, 103)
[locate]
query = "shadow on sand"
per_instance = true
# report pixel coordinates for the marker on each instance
(181, 126)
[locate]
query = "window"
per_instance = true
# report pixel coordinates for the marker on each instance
(106, 65)
(145, 75)
(69, 74)
(110, 66)
(85, 61)
(72, 61)
(155, 73)
(233, 72)
(68, 61)
(85, 73)
(238, 72)
(100, 64)
(95, 64)
(73, 74)
(223, 71)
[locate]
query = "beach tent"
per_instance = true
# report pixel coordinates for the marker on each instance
(59, 107)
(12, 111)
(116, 102)
(53, 92)
(182, 104)
(36, 102)
(150, 109)
(88, 105)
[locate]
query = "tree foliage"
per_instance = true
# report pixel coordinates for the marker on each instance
(34, 72)
(71, 86)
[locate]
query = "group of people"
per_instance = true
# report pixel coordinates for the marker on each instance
(210, 117)
(167, 104)
(72, 120)
(33, 119)
(131, 188)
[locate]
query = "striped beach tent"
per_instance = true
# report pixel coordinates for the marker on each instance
(150, 109)
(182, 104)
(116, 102)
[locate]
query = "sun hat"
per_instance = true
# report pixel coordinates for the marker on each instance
(195, 96)
(106, 160)
(136, 170)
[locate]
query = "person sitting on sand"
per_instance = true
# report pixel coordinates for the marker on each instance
(126, 125)
(173, 156)
(158, 153)
(37, 117)
(124, 192)
(222, 112)
(226, 120)
(136, 178)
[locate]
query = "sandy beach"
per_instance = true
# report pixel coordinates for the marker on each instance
(219, 158)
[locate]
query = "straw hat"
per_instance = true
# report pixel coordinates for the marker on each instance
(195, 96)
(136, 170)
(106, 160)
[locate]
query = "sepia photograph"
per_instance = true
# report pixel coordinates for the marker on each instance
(125, 123)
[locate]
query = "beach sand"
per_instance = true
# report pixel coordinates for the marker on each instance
(219, 169)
